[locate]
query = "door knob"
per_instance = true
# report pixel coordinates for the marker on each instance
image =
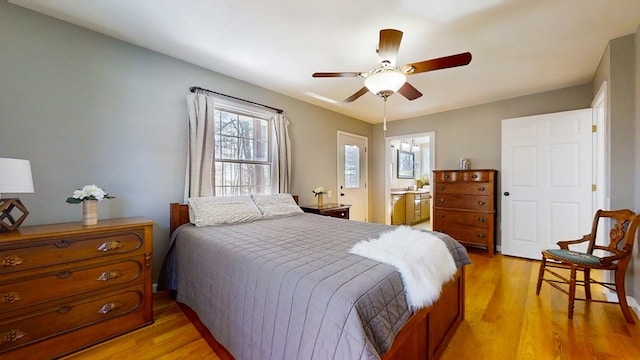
(506, 193)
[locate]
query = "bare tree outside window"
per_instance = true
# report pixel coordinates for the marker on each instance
(242, 161)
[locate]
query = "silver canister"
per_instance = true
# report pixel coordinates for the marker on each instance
(465, 164)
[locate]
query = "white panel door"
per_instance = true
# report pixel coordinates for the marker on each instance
(352, 174)
(546, 181)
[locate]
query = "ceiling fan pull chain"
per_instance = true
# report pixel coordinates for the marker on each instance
(384, 126)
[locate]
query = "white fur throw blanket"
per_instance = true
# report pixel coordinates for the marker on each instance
(423, 260)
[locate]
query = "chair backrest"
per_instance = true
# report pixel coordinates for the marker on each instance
(622, 235)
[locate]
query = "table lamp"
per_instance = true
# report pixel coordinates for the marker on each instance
(15, 177)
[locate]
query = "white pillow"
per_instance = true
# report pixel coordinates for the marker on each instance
(219, 210)
(276, 205)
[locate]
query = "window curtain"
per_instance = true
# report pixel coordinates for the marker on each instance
(281, 175)
(200, 153)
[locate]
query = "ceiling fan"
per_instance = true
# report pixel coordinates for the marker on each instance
(387, 78)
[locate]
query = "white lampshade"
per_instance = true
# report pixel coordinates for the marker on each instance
(15, 176)
(385, 81)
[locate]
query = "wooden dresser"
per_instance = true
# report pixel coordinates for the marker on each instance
(464, 206)
(330, 209)
(66, 286)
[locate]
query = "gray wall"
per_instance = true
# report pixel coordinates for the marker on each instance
(618, 68)
(636, 272)
(86, 108)
(472, 132)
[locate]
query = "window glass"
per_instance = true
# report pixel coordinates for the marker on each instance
(242, 153)
(351, 166)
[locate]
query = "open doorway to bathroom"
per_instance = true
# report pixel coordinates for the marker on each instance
(409, 160)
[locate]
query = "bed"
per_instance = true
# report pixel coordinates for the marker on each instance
(248, 286)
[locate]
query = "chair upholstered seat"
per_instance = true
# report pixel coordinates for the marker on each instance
(574, 257)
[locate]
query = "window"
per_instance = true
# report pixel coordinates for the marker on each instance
(242, 151)
(351, 166)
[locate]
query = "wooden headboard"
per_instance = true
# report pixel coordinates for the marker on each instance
(179, 214)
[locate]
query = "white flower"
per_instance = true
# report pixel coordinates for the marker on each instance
(88, 192)
(319, 190)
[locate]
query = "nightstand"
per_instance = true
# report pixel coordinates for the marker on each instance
(329, 209)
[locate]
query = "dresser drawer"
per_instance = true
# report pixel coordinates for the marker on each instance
(69, 249)
(465, 234)
(469, 202)
(31, 327)
(338, 213)
(447, 176)
(466, 175)
(479, 188)
(33, 288)
(479, 219)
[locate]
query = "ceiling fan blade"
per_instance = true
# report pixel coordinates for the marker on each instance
(389, 45)
(335, 74)
(410, 92)
(356, 95)
(437, 64)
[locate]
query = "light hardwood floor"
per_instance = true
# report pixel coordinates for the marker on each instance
(504, 319)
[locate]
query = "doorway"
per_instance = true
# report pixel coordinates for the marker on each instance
(353, 174)
(423, 147)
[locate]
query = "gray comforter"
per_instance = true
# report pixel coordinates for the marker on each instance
(287, 288)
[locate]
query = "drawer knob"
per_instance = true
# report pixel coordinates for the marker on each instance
(475, 176)
(446, 176)
(108, 307)
(63, 244)
(441, 216)
(480, 236)
(481, 203)
(11, 260)
(63, 274)
(109, 275)
(109, 245)
(482, 188)
(480, 219)
(64, 309)
(13, 335)
(441, 200)
(342, 214)
(440, 187)
(10, 297)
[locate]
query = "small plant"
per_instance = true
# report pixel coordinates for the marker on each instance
(88, 192)
(319, 190)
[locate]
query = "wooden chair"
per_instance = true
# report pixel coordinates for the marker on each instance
(617, 255)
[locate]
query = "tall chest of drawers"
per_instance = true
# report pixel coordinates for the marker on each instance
(464, 206)
(64, 287)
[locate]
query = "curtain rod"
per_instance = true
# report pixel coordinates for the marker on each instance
(197, 88)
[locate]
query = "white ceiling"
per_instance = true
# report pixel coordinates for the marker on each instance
(519, 47)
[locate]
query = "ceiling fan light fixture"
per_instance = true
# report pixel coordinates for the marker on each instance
(385, 82)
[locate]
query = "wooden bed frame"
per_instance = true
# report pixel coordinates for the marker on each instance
(424, 336)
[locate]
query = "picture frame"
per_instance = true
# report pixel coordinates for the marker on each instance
(405, 165)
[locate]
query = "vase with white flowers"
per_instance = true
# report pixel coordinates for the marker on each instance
(89, 196)
(319, 192)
